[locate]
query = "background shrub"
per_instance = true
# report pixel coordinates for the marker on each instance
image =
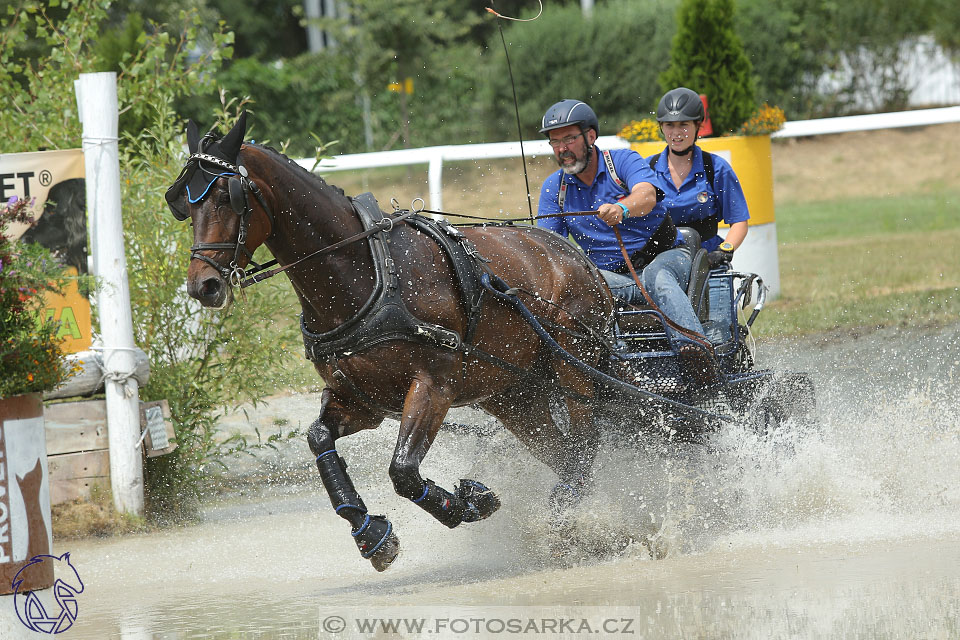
(610, 61)
(707, 56)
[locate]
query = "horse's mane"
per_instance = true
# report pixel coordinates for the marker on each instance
(311, 177)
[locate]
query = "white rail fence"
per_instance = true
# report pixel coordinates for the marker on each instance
(434, 157)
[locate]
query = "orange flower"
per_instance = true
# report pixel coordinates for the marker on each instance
(29, 377)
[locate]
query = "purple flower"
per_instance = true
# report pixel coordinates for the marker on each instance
(12, 201)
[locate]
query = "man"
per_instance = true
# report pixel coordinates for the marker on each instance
(619, 185)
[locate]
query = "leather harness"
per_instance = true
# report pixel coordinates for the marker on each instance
(385, 317)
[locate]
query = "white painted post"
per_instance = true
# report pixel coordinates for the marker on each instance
(97, 97)
(435, 180)
(311, 9)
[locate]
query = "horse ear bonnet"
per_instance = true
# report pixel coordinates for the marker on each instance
(230, 144)
(193, 137)
(195, 179)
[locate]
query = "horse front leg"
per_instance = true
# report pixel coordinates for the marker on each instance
(423, 412)
(373, 535)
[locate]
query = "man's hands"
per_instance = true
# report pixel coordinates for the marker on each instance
(717, 258)
(612, 214)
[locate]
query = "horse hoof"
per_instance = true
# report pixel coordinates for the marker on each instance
(482, 501)
(386, 554)
(563, 498)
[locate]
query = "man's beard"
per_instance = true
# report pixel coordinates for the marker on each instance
(580, 164)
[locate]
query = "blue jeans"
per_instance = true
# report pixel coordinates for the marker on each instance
(666, 280)
(721, 309)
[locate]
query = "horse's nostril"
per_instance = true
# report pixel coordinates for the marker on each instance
(211, 288)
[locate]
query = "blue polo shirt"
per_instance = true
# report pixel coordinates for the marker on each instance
(684, 204)
(594, 235)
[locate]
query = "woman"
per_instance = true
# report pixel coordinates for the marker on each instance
(700, 189)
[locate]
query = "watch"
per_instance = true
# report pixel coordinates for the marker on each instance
(626, 211)
(726, 247)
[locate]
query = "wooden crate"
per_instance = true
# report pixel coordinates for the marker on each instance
(78, 454)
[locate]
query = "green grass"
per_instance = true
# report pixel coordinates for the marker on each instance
(867, 263)
(856, 218)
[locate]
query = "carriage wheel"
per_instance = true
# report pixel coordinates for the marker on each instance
(790, 396)
(768, 416)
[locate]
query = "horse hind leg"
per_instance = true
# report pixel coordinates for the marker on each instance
(423, 412)
(552, 429)
(373, 535)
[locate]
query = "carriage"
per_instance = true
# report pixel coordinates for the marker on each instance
(649, 354)
(406, 316)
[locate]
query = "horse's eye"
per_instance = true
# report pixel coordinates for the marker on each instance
(222, 199)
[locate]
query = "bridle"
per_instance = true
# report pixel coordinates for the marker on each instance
(240, 186)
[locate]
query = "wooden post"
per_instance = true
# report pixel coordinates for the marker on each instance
(97, 100)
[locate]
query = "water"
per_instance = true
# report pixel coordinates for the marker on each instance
(849, 530)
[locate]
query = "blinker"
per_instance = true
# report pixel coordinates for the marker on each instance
(238, 199)
(175, 194)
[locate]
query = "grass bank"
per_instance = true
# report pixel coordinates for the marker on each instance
(866, 263)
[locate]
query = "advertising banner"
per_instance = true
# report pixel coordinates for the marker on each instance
(53, 182)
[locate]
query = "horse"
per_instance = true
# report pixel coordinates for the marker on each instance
(400, 319)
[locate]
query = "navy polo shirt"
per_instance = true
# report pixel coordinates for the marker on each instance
(594, 235)
(684, 204)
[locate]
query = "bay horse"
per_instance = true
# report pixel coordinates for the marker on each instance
(396, 323)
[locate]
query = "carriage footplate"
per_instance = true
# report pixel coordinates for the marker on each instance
(376, 541)
(698, 364)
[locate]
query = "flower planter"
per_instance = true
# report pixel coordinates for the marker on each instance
(25, 527)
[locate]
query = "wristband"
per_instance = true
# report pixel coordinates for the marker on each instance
(626, 211)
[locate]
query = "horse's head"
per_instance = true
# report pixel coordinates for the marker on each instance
(230, 216)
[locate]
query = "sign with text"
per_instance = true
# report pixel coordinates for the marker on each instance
(52, 181)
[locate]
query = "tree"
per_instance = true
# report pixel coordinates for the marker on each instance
(873, 42)
(787, 44)
(265, 29)
(200, 362)
(946, 25)
(610, 61)
(708, 57)
(392, 40)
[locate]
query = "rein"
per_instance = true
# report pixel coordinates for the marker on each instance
(646, 296)
(386, 224)
(383, 225)
(511, 220)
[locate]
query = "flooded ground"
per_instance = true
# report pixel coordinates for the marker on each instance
(850, 530)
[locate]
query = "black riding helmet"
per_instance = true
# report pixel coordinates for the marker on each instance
(680, 104)
(567, 112)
